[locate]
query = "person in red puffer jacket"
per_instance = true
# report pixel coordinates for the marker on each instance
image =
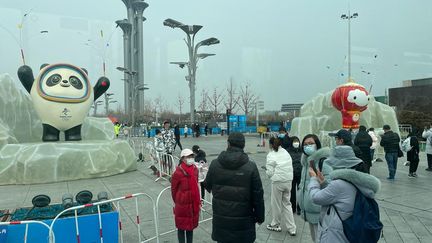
(186, 196)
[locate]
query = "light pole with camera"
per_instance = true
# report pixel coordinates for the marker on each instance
(191, 31)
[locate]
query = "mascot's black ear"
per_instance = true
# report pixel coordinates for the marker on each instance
(43, 65)
(85, 70)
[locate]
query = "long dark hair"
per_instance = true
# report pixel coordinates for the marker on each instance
(275, 143)
(315, 138)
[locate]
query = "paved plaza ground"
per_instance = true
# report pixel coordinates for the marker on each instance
(406, 203)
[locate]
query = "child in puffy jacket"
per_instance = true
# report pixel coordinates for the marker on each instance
(186, 196)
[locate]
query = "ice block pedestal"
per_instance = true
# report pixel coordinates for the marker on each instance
(29, 163)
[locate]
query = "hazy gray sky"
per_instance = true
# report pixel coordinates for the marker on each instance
(287, 50)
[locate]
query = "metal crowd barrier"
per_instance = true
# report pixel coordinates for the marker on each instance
(166, 166)
(129, 196)
(173, 230)
(27, 222)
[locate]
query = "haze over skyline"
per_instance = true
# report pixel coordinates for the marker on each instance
(288, 51)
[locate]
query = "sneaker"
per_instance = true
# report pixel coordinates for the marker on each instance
(410, 175)
(276, 228)
(428, 169)
(407, 163)
(390, 178)
(292, 233)
(414, 174)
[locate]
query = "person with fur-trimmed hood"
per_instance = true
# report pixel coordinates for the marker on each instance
(339, 192)
(312, 152)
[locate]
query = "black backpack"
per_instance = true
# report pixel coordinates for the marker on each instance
(364, 224)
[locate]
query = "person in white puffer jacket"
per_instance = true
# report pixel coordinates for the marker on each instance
(280, 170)
(427, 134)
(374, 137)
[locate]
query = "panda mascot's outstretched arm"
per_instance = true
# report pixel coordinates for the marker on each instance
(101, 87)
(25, 75)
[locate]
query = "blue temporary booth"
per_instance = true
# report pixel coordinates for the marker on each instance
(64, 228)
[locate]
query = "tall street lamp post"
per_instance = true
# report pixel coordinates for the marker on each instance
(95, 106)
(131, 95)
(135, 92)
(349, 17)
(107, 101)
(191, 31)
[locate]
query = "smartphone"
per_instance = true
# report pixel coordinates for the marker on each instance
(312, 165)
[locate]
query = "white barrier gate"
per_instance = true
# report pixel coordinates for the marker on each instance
(166, 165)
(173, 230)
(129, 196)
(27, 222)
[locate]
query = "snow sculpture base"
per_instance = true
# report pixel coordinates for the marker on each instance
(52, 162)
(318, 116)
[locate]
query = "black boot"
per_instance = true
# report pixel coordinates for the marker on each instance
(50, 133)
(73, 134)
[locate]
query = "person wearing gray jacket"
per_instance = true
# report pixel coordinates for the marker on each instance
(339, 192)
(312, 151)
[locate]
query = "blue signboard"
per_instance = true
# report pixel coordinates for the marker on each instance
(233, 118)
(242, 118)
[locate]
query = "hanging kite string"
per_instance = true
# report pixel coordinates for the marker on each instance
(21, 27)
(106, 49)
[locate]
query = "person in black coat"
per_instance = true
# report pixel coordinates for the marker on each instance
(390, 141)
(177, 136)
(238, 196)
(413, 155)
(364, 141)
(285, 138)
(296, 153)
(200, 157)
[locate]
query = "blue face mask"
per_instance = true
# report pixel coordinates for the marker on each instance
(282, 135)
(310, 149)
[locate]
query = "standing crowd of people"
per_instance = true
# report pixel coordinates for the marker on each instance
(321, 184)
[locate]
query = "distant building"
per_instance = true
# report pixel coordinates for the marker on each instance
(293, 109)
(413, 102)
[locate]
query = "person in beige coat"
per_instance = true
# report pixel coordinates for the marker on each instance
(280, 170)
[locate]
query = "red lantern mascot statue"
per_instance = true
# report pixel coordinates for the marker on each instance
(350, 99)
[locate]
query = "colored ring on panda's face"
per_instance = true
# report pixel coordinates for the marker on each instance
(83, 78)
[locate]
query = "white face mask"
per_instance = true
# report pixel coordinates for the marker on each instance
(296, 145)
(190, 161)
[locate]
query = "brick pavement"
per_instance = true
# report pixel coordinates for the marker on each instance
(406, 208)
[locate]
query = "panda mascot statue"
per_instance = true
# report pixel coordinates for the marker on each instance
(62, 96)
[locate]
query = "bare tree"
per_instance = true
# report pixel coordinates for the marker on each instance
(180, 102)
(215, 101)
(158, 107)
(247, 99)
(231, 98)
(204, 101)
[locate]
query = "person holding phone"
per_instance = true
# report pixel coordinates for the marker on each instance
(313, 156)
(337, 198)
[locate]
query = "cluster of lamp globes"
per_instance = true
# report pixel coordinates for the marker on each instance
(82, 197)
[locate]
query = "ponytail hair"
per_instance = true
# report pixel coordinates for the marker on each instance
(275, 143)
